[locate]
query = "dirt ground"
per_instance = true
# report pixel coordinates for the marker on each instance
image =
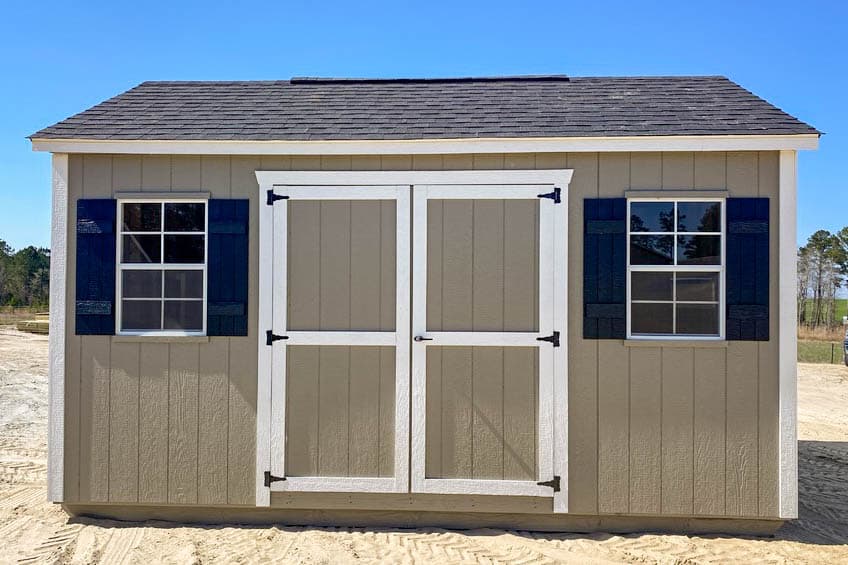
(33, 531)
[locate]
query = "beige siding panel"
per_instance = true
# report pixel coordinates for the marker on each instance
(123, 422)
(458, 162)
(613, 375)
(126, 173)
(183, 424)
(521, 266)
(215, 175)
(678, 170)
(94, 419)
(645, 430)
(243, 357)
(156, 172)
(335, 163)
(742, 486)
(306, 163)
(333, 411)
(709, 431)
(364, 419)
(335, 265)
(435, 260)
(388, 265)
(711, 170)
(487, 279)
(433, 416)
(520, 413)
(488, 161)
(185, 173)
(427, 162)
(72, 341)
(457, 266)
(275, 163)
(304, 261)
(769, 393)
(386, 416)
(364, 286)
(396, 162)
(613, 427)
(97, 176)
(487, 418)
(212, 391)
(153, 423)
(582, 354)
(334, 425)
(365, 162)
(520, 161)
(457, 410)
(302, 368)
(646, 171)
(742, 171)
(677, 440)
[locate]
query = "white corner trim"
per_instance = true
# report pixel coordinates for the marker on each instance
(788, 341)
(438, 146)
(58, 287)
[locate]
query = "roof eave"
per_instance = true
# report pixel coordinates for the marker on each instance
(750, 142)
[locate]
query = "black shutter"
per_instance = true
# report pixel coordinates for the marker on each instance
(95, 258)
(227, 267)
(604, 268)
(747, 269)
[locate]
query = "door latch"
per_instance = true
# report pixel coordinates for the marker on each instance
(422, 338)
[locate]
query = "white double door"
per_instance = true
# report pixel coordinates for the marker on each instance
(415, 342)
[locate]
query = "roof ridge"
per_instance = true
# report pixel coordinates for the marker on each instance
(368, 80)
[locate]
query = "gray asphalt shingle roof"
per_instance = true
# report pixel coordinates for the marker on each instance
(348, 109)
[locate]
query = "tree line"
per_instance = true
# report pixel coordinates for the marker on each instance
(822, 272)
(24, 276)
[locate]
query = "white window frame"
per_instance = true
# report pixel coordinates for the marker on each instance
(269, 240)
(161, 266)
(720, 269)
(398, 338)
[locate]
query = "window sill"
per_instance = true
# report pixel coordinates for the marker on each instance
(160, 339)
(696, 343)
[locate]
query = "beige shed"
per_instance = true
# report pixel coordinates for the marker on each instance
(539, 302)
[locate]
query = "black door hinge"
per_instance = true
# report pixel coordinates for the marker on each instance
(269, 478)
(555, 195)
(553, 483)
(271, 337)
(274, 197)
(553, 338)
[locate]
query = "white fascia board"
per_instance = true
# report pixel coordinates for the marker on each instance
(787, 337)
(56, 379)
(437, 146)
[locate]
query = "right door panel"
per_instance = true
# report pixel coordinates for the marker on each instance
(482, 378)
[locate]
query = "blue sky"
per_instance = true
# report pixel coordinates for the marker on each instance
(58, 58)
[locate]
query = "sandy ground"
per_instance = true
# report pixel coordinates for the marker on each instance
(33, 531)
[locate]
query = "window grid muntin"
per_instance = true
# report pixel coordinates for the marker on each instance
(676, 268)
(161, 266)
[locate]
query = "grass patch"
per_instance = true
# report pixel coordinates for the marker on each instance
(841, 307)
(819, 352)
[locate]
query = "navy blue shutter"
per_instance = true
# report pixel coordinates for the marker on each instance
(227, 267)
(747, 269)
(604, 268)
(95, 256)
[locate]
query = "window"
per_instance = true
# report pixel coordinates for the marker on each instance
(675, 268)
(162, 267)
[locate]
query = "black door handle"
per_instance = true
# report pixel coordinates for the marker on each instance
(422, 338)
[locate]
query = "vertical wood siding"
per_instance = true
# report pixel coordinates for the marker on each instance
(663, 429)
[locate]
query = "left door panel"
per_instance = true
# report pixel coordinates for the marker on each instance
(340, 363)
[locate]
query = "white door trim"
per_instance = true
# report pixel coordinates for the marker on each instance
(552, 374)
(271, 404)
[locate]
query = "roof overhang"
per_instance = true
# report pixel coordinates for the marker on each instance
(757, 142)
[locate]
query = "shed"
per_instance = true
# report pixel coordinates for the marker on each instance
(538, 302)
